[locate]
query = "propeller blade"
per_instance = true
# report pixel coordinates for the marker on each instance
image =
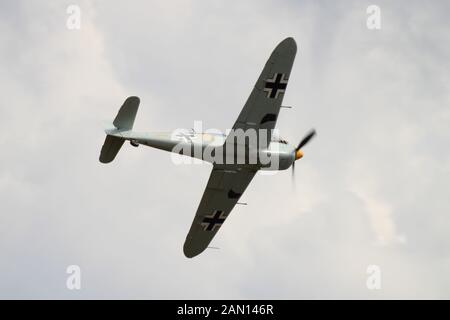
(293, 175)
(306, 139)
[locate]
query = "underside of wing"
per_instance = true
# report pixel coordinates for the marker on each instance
(263, 105)
(224, 188)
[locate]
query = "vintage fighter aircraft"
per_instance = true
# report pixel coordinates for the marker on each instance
(228, 179)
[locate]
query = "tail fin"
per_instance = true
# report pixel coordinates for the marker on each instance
(127, 114)
(123, 121)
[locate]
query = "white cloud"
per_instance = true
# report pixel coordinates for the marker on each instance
(380, 217)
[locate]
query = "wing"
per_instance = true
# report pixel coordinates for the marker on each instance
(225, 187)
(263, 105)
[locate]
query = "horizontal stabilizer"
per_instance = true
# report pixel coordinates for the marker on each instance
(110, 148)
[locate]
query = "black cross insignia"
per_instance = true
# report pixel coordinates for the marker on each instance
(275, 85)
(214, 220)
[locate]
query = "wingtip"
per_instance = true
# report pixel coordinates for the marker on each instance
(287, 46)
(190, 251)
(101, 160)
(136, 99)
(289, 41)
(190, 255)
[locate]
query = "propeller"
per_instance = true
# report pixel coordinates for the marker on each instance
(299, 153)
(293, 174)
(306, 139)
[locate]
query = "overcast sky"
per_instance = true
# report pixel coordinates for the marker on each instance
(372, 189)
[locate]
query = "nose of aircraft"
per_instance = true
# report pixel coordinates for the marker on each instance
(298, 154)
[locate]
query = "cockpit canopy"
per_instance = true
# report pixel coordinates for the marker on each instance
(277, 138)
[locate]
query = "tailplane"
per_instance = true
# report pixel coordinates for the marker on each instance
(123, 122)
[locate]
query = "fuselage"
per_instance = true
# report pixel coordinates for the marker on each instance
(214, 148)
